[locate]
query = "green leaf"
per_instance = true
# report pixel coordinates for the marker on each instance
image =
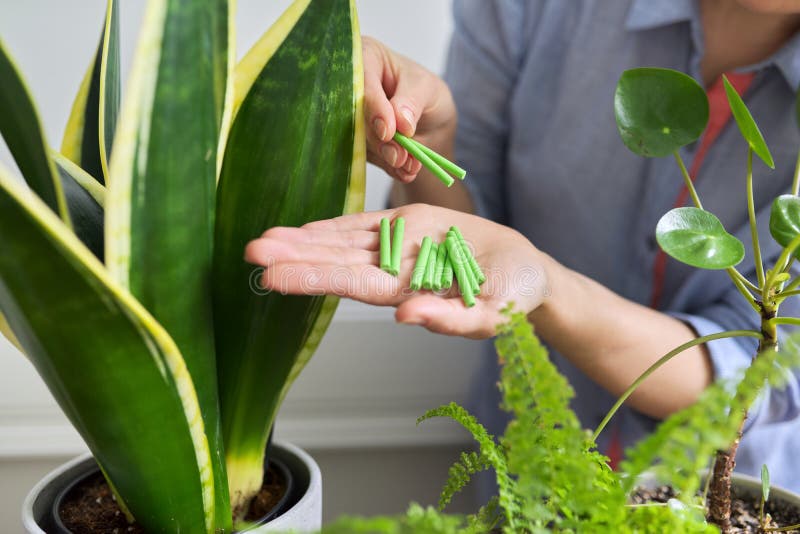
(697, 238)
(160, 210)
(23, 133)
(747, 126)
(659, 110)
(784, 220)
(114, 371)
(89, 135)
(85, 199)
(5, 329)
(304, 79)
(459, 475)
(764, 482)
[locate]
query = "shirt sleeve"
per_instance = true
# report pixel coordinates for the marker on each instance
(482, 65)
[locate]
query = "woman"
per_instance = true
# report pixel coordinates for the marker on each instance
(526, 107)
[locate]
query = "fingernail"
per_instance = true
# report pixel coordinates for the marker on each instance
(380, 128)
(389, 154)
(409, 116)
(413, 321)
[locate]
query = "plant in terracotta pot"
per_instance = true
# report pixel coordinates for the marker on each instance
(549, 475)
(122, 276)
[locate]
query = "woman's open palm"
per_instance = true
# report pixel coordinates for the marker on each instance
(341, 256)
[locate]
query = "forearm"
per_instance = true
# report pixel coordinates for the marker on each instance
(613, 340)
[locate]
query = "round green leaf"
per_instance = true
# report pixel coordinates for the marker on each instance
(659, 110)
(747, 125)
(784, 219)
(697, 238)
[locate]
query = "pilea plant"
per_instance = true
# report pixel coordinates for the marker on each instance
(549, 475)
(658, 111)
(121, 272)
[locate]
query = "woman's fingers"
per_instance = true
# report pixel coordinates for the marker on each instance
(362, 282)
(268, 251)
(360, 239)
(369, 221)
(449, 316)
(379, 112)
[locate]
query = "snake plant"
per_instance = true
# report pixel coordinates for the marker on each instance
(121, 269)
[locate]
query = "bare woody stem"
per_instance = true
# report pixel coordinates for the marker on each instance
(719, 495)
(661, 361)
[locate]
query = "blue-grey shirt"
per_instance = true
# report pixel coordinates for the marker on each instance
(533, 82)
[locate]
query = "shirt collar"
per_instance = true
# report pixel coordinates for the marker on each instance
(649, 14)
(787, 60)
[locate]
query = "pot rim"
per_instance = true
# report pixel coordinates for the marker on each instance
(29, 520)
(742, 481)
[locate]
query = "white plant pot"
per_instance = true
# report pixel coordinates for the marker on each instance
(305, 515)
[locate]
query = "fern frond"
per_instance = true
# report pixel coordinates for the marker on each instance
(490, 451)
(486, 518)
(563, 483)
(685, 441)
(660, 519)
(417, 520)
(459, 475)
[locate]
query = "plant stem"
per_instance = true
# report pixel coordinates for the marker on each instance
(661, 361)
(786, 294)
(785, 320)
(785, 259)
(792, 285)
(796, 181)
(719, 497)
(783, 529)
(745, 282)
(743, 285)
(751, 213)
(688, 180)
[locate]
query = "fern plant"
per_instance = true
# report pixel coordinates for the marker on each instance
(121, 273)
(550, 476)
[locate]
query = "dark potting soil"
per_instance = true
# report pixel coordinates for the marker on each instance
(744, 508)
(90, 507)
(272, 491)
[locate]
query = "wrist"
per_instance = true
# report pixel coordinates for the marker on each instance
(552, 312)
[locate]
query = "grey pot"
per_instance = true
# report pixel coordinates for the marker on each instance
(304, 515)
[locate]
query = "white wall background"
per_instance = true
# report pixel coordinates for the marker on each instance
(356, 403)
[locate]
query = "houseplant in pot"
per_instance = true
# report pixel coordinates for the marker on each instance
(122, 278)
(549, 476)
